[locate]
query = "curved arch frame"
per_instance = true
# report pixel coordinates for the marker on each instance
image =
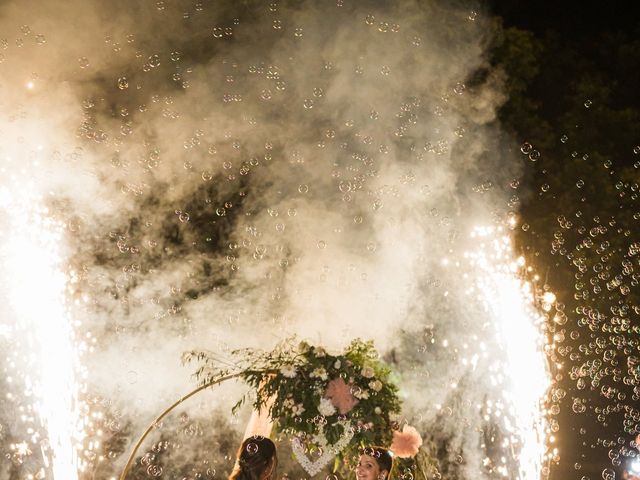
(127, 467)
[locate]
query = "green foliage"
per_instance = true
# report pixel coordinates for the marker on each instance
(292, 382)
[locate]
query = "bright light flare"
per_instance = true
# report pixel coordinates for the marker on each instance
(549, 297)
(511, 301)
(30, 262)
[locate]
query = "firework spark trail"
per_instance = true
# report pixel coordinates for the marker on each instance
(36, 286)
(523, 373)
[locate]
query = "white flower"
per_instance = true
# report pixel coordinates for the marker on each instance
(320, 352)
(337, 364)
(320, 373)
(367, 372)
(320, 439)
(377, 410)
(326, 408)
(375, 385)
(288, 371)
(360, 393)
(297, 410)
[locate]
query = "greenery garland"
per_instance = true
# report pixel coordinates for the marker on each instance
(313, 394)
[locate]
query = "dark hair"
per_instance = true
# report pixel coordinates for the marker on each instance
(253, 458)
(382, 456)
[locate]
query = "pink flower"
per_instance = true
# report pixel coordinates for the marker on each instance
(340, 395)
(406, 444)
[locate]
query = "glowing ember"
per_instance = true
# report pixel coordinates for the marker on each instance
(36, 286)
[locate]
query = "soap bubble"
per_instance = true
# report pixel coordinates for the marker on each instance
(154, 470)
(608, 474)
(526, 148)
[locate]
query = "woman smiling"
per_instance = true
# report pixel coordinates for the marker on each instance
(374, 463)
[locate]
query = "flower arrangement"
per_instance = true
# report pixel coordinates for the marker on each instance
(333, 401)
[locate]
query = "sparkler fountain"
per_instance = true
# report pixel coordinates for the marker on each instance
(523, 374)
(40, 329)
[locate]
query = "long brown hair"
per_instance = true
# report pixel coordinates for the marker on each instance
(253, 458)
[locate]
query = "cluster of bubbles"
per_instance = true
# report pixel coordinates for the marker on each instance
(593, 326)
(528, 150)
